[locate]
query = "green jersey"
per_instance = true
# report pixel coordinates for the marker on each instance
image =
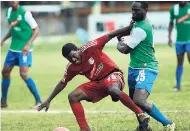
(182, 20)
(21, 31)
(141, 41)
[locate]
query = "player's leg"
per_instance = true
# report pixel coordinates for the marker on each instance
(188, 56)
(74, 99)
(131, 84)
(5, 85)
(180, 49)
(115, 87)
(9, 63)
(116, 93)
(140, 98)
(187, 49)
(143, 89)
(25, 62)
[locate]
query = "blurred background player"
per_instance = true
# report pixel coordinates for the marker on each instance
(143, 68)
(181, 14)
(104, 75)
(23, 30)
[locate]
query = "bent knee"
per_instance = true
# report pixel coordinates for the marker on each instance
(75, 97)
(115, 99)
(24, 75)
(71, 97)
(140, 103)
(114, 92)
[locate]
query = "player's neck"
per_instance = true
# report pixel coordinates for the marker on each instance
(15, 9)
(141, 20)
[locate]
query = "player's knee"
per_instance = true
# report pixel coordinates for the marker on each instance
(24, 75)
(115, 99)
(115, 93)
(73, 97)
(139, 102)
(5, 73)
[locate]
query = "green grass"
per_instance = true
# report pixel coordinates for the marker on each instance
(48, 68)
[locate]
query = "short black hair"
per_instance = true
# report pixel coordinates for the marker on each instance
(144, 4)
(67, 48)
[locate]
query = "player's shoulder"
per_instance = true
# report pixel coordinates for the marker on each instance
(8, 11)
(72, 67)
(143, 25)
(69, 66)
(23, 8)
(174, 6)
(88, 46)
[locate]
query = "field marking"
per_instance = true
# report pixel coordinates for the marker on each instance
(86, 111)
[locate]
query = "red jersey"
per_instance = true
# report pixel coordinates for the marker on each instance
(95, 64)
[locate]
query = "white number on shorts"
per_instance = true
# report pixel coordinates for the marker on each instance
(24, 58)
(141, 76)
(113, 77)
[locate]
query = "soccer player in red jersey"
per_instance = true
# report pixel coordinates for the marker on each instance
(104, 75)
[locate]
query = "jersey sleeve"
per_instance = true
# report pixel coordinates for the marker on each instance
(101, 41)
(188, 11)
(69, 74)
(30, 20)
(137, 35)
(8, 12)
(172, 13)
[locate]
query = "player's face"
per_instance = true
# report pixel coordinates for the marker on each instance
(14, 4)
(75, 57)
(138, 13)
(182, 3)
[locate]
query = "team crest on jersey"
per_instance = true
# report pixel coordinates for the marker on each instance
(19, 17)
(91, 60)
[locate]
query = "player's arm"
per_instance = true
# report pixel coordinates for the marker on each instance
(68, 76)
(120, 32)
(127, 33)
(59, 87)
(137, 35)
(170, 27)
(101, 41)
(32, 23)
(8, 35)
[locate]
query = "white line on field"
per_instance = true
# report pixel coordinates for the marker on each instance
(86, 111)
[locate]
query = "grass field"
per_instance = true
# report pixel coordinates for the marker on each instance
(48, 68)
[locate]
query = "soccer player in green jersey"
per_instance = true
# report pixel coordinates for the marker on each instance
(181, 14)
(23, 30)
(143, 68)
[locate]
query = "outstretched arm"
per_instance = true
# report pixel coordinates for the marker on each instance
(6, 37)
(69, 75)
(101, 41)
(60, 86)
(120, 32)
(171, 25)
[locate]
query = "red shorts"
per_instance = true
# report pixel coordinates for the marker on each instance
(97, 90)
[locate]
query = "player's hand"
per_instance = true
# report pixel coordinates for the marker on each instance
(45, 105)
(170, 42)
(132, 22)
(2, 41)
(25, 50)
